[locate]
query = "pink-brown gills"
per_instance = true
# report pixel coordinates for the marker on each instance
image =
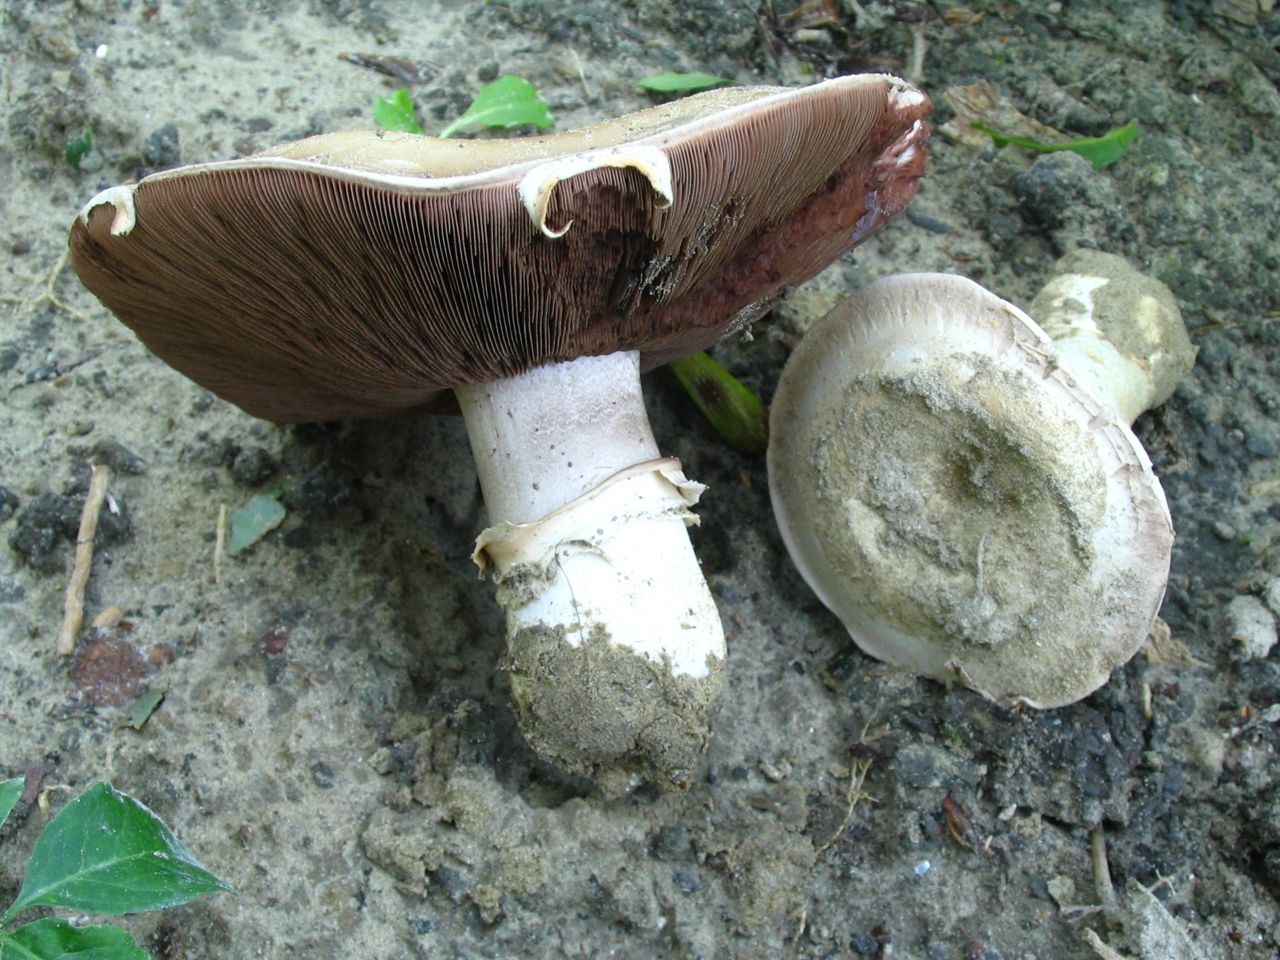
(369, 273)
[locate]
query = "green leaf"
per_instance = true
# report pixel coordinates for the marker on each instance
(107, 853)
(255, 520)
(142, 708)
(396, 113)
(1100, 151)
(55, 939)
(507, 102)
(668, 82)
(77, 147)
(10, 791)
(734, 411)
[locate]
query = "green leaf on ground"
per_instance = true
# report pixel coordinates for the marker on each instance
(734, 411)
(396, 113)
(142, 708)
(10, 791)
(669, 82)
(250, 523)
(107, 853)
(53, 939)
(1100, 151)
(507, 102)
(77, 147)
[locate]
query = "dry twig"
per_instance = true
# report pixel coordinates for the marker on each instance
(219, 544)
(1103, 890)
(47, 295)
(1101, 949)
(73, 606)
(858, 770)
(915, 73)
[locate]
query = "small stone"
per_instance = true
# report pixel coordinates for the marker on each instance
(8, 503)
(253, 466)
(41, 528)
(11, 591)
(161, 149)
(775, 772)
(322, 774)
(1252, 626)
(671, 843)
(1062, 889)
(1271, 593)
(118, 457)
(422, 926)
(686, 881)
(864, 946)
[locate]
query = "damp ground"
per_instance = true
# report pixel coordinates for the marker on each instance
(335, 737)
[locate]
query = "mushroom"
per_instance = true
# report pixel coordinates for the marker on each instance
(530, 281)
(964, 493)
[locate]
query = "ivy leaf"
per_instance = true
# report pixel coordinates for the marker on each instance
(396, 113)
(734, 411)
(10, 791)
(1100, 151)
(507, 102)
(250, 523)
(55, 939)
(107, 853)
(669, 82)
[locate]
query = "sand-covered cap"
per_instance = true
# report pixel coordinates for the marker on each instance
(966, 507)
(357, 274)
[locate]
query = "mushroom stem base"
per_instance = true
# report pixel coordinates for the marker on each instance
(615, 647)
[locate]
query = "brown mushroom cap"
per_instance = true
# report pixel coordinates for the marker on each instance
(366, 273)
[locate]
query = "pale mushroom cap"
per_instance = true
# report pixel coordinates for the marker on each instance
(958, 502)
(366, 273)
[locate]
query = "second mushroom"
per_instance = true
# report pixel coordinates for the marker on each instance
(965, 493)
(530, 282)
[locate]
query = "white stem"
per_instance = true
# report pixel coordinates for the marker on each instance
(545, 437)
(597, 576)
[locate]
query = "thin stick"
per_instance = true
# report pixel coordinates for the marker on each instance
(73, 608)
(46, 295)
(918, 47)
(1100, 947)
(858, 770)
(219, 544)
(1103, 889)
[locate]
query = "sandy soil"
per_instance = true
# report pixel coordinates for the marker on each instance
(335, 738)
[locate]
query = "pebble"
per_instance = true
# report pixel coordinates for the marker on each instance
(253, 466)
(1251, 626)
(41, 527)
(775, 773)
(161, 148)
(1271, 593)
(118, 457)
(8, 503)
